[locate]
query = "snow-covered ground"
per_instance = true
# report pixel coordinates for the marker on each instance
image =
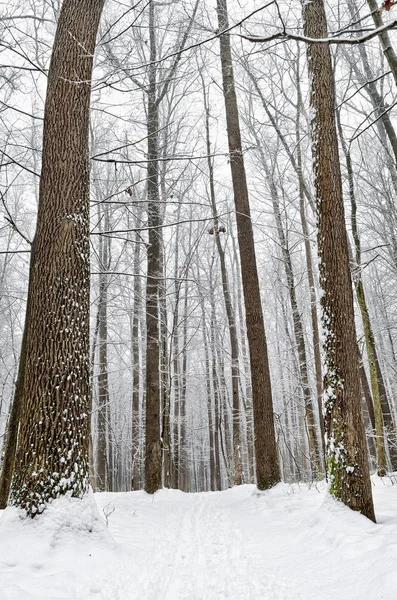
(290, 543)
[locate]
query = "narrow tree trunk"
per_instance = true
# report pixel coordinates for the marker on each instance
(183, 460)
(367, 395)
(216, 393)
(309, 267)
(52, 455)
(267, 467)
(103, 471)
(368, 335)
(235, 371)
(384, 37)
(136, 373)
(246, 391)
(299, 338)
(165, 384)
(347, 450)
(13, 425)
(211, 436)
(175, 350)
(153, 455)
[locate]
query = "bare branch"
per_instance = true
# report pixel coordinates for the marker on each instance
(284, 35)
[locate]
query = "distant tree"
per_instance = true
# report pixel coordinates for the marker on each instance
(53, 442)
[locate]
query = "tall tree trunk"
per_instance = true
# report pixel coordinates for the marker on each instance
(235, 371)
(245, 375)
(347, 451)
(183, 455)
(217, 398)
(368, 334)
(267, 467)
(13, 424)
(384, 38)
(136, 372)
(165, 384)
(103, 445)
(153, 454)
(299, 338)
(156, 92)
(309, 265)
(52, 455)
(175, 350)
(210, 397)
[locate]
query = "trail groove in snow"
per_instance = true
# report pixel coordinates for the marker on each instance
(290, 543)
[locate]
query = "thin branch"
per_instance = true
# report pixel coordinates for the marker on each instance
(373, 122)
(134, 229)
(328, 40)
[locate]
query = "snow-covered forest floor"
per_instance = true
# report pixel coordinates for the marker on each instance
(292, 543)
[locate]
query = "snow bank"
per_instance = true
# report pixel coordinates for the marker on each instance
(62, 554)
(293, 542)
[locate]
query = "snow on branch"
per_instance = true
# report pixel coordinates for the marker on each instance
(284, 35)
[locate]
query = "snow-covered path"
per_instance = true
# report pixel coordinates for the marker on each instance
(201, 546)
(291, 543)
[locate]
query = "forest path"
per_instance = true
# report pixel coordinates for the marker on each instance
(284, 544)
(198, 546)
(292, 542)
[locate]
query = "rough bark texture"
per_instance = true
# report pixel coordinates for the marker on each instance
(267, 467)
(52, 454)
(347, 453)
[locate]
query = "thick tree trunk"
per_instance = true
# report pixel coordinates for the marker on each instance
(52, 455)
(267, 467)
(347, 451)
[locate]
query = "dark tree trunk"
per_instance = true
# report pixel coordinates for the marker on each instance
(53, 445)
(153, 455)
(347, 458)
(235, 371)
(267, 467)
